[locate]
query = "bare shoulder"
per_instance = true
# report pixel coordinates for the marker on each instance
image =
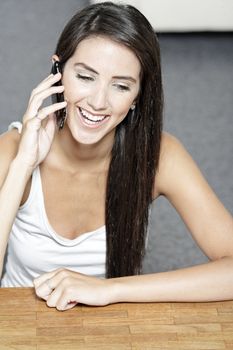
(9, 142)
(178, 172)
(180, 180)
(170, 147)
(173, 157)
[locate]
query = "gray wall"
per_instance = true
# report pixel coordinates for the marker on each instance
(28, 36)
(198, 76)
(198, 84)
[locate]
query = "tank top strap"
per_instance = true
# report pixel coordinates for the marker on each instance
(35, 190)
(16, 125)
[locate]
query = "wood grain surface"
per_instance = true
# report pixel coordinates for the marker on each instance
(26, 323)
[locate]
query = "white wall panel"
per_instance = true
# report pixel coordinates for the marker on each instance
(186, 15)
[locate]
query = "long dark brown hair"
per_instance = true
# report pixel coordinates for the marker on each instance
(136, 148)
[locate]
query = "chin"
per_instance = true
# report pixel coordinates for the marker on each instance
(85, 138)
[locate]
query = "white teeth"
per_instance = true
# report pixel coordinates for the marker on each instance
(91, 118)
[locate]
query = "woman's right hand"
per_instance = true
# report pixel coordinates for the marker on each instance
(36, 138)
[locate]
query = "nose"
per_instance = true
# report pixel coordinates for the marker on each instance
(98, 100)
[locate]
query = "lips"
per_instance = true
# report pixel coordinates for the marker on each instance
(92, 120)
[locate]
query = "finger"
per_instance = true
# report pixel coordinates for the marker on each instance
(51, 125)
(46, 78)
(56, 281)
(64, 303)
(44, 290)
(46, 83)
(42, 278)
(36, 122)
(44, 112)
(68, 306)
(42, 95)
(61, 298)
(37, 101)
(66, 300)
(54, 296)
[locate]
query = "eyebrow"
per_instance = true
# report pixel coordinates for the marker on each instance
(124, 77)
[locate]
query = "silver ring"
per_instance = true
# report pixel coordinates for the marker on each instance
(48, 284)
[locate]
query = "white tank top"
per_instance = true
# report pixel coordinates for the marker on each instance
(35, 248)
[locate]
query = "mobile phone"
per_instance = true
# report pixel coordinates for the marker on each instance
(59, 97)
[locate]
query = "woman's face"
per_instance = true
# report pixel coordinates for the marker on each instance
(101, 83)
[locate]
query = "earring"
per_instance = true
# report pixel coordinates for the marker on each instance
(63, 120)
(132, 107)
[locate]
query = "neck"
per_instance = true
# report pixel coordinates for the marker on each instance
(74, 156)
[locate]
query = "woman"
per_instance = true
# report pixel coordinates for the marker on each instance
(92, 165)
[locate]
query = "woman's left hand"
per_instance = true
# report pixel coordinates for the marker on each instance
(64, 289)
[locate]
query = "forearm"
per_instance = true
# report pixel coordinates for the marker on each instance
(208, 282)
(10, 197)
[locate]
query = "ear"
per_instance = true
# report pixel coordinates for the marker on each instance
(55, 58)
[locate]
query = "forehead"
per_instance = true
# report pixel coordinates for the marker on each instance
(102, 53)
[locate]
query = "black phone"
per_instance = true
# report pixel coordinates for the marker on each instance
(59, 97)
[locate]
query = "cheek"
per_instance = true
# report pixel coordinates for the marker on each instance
(123, 102)
(69, 87)
(122, 105)
(75, 91)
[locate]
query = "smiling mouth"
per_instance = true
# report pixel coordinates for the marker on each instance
(92, 119)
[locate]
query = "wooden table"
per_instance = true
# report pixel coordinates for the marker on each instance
(26, 323)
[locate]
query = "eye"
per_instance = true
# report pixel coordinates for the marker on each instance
(84, 77)
(122, 87)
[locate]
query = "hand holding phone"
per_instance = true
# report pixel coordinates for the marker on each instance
(37, 137)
